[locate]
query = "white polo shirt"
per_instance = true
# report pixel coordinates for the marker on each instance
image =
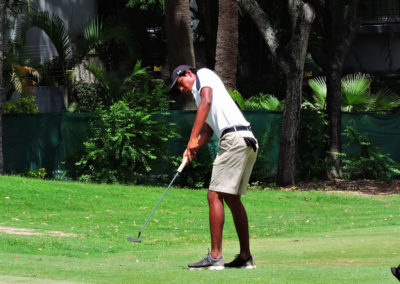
(224, 112)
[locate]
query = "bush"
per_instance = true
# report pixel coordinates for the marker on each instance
(366, 162)
(123, 144)
(21, 105)
(125, 137)
(88, 95)
(39, 173)
(311, 162)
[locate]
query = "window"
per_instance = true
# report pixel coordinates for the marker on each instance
(382, 10)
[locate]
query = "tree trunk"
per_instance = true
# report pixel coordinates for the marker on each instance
(208, 16)
(2, 22)
(179, 43)
(333, 100)
(340, 21)
(227, 42)
(179, 33)
(293, 68)
(286, 174)
(288, 47)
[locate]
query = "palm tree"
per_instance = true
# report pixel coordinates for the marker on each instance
(227, 42)
(356, 95)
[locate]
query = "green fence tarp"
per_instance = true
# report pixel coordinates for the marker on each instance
(383, 130)
(42, 140)
(47, 140)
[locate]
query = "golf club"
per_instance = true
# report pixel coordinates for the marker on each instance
(178, 171)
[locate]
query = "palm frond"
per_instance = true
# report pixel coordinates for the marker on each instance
(93, 35)
(22, 25)
(355, 92)
(318, 85)
(272, 103)
(138, 70)
(23, 77)
(99, 74)
(264, 101)
(55, 29)
(238, 98)
(385, 100)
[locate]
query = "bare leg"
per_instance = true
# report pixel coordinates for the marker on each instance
(241, 223)
(217, 219)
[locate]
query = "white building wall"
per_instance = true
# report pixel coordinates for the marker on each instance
(75, 13)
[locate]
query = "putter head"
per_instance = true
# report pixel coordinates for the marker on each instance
(134, 240)
(137, 240)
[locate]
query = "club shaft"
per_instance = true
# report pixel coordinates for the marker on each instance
(155, 207)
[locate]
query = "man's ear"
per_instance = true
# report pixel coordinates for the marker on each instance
(189, 73)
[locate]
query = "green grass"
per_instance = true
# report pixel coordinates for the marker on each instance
(296, 237)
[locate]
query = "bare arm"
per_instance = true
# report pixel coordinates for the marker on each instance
(197, 137)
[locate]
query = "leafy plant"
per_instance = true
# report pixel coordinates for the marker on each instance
(261, 101)
(367, 162)
(109, 82)
(264, 101)
(126, 139)
(318, 85)
(25, 105)
(24, 78)
(88, 95)
(238, 98)
(313, 139)
(124, 142)
(356, 94)
(39, 173)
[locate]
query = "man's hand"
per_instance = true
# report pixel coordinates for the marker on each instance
(192, 148)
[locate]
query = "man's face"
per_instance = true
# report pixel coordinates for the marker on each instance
(185, 83)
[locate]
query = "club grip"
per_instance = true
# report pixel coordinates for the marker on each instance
(183, 164)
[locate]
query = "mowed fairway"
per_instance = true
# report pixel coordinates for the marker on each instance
(68, 232)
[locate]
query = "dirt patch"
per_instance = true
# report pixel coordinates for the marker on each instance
(33, 232)
(353, 186)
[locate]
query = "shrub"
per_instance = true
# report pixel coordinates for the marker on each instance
(125, 137)
(88, 95)
(21, 105)
(311, 162)
(39, 173)
(260, 101)
(123, 144)
(366, 162)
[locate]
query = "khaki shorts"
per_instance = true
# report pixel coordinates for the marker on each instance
(233, 165)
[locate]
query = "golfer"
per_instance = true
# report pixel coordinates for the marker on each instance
(217, 113)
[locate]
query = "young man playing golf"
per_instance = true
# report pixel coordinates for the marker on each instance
(217, 113)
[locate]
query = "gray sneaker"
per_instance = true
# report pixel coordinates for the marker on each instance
(239, 262)
(208, 263)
